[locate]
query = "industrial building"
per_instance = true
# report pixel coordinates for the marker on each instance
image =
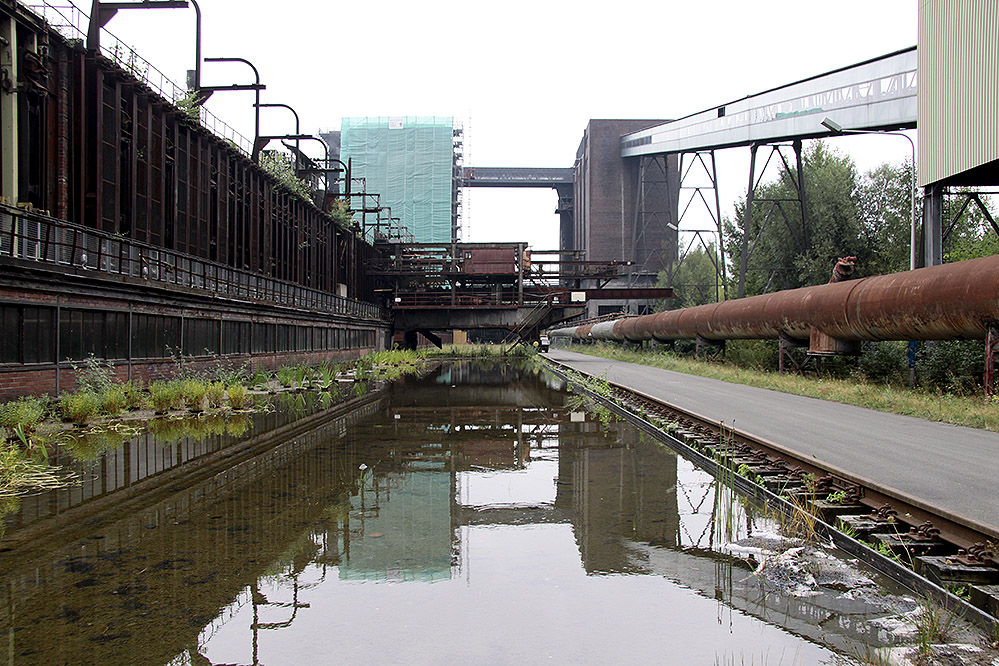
(411, 162)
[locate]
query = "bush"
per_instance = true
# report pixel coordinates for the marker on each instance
(951, 365)
(79, 407)
(883, 361)
(114, 400)
(753, 354)
(25, 412)
(162, 395)
(239, 397)
(216, 394)
(96, 376)
(193, 392)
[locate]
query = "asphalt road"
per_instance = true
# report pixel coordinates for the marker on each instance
(951, 467)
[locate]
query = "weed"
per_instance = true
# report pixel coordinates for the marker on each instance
(114, 400)
(260, 379)
(24, 413)
(79, 407)
(933, 625)
(300, 373)
(836, 497)
(239, 397)
(134, 396)
(162, 395)
(286, 376)
(193, 392)
(216, 394)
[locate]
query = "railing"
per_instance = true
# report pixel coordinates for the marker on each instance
(30, 236)
(71, 23)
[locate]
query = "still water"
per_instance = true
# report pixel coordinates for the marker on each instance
(476, 515)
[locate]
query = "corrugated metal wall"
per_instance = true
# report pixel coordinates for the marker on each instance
(958, 86)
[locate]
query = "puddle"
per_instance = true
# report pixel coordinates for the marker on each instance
(476, 515)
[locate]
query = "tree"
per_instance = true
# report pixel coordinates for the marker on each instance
(694, 281)
(780, 259)
(884, 206)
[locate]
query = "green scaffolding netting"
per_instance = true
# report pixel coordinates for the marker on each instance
(409, 162)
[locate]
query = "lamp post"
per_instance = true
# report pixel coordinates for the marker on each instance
(101, 13)
(264, 140)
(833, 126)
(297, 125)
(256, 87)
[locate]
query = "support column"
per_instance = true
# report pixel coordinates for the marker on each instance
(991, 347)
(8, 111)
(932, 225)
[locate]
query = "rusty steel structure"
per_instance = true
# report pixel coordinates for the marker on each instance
(98, 147)
(959, 300)
(134, 226)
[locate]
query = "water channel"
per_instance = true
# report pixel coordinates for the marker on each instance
(475, 515)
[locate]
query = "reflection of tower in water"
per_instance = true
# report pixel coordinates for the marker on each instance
(619, 490)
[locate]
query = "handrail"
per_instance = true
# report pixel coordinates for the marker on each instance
(32, 236)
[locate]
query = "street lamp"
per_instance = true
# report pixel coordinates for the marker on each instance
(297, 127)
(205, 92)
(264, 140)
(101, 12)
(833, 126)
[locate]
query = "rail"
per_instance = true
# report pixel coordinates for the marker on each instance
(780, 475)
(32, 237)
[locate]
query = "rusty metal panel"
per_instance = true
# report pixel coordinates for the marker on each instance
(958, 114)
(489, 261)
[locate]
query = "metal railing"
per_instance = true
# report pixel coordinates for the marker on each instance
(31, 236)
(70, 22)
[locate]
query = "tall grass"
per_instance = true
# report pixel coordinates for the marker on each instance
(967, 410)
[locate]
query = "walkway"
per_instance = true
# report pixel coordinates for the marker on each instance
(950, 467)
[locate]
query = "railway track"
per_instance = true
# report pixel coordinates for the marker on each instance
(932, 552)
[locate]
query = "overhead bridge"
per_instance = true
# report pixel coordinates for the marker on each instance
(516, 176)
(877, 94)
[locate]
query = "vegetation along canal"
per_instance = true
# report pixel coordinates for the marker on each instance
(477, 514)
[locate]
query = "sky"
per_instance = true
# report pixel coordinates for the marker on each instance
(522, 78)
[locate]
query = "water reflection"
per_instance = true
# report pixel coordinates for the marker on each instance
(497, 525)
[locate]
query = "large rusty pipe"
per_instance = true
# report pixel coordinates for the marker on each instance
(950, 301)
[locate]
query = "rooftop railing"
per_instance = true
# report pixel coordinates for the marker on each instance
(33, 237)
(70, 22)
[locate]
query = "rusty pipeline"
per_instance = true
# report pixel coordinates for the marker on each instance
(952, 301)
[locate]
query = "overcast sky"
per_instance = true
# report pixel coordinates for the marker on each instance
(522, 77)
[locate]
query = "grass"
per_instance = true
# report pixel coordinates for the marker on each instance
(25, 414)
(933, 625)
(163, 395)
(967, 410)
(193, 392)
(79, 407)
(239, 397)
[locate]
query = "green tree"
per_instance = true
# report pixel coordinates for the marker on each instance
(781, 259)
(694, 280)
(884, 206)
(971, 235)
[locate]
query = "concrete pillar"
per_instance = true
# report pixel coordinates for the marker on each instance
(932, 225)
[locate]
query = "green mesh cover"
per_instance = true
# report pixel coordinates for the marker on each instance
(409, 162)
